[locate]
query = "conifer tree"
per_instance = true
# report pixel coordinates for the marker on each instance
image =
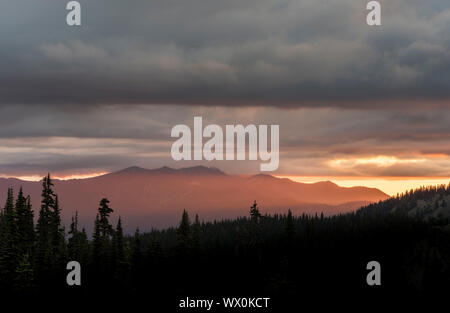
(44, 252)
(50, 243)
(154, 252)
(78, 245)
(103, 232)
(104, 211)
(254, 212)
(85, 252)
(3, 263)
(57, 231)
(119, 250)
(136, 257)
(97, 242)
(25, 223)
(10, 213)
(255, 231)
(59, 247)
(119, 257)
(184, 234)
(290, 233)
(137, 253)
(73, 232)
(290, 227)
(24, 275)
(196, 234)
(9, 253)
(154, 260)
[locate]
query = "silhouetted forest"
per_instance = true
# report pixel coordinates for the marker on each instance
(424, 203)
(280, 256)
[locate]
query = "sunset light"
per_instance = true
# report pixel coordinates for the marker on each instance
(225, 155)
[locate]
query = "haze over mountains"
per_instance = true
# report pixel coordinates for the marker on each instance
(148, 198)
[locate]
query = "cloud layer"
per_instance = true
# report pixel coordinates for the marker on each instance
(313, 142)
(351, 100)
(258, 52)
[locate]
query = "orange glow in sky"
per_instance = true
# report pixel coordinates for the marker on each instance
(389, 185)
(60, 177)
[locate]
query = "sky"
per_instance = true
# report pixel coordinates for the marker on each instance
(356, 104)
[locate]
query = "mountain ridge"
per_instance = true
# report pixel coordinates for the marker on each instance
(156, 197)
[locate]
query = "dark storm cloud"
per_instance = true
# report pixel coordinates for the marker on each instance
(326, 141)
(257, 52)
(76, 99)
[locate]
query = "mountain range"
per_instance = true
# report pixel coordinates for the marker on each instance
(148, 198)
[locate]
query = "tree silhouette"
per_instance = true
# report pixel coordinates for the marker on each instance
(9, 253)
(44, 258)
(196, 235)
(290, 227)
(78, 245)
(184, 234)
(254, 212)
(103, 233)
(25, 223)
(24, 275)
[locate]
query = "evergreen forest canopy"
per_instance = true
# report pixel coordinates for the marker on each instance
(279, 255)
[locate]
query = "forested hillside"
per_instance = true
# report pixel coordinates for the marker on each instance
(425, 203)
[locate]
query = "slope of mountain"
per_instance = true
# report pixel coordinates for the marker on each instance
(425, 203)
(156, 197)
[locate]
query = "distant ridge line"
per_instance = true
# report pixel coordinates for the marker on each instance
(194, 170)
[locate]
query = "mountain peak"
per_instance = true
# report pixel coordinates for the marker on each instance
(201, 170)
(327, 183)
(194, 170)
(264, 176)
(132, 170)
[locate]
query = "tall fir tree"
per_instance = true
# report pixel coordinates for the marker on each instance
(137, 250)
(184, 230)
(197, 235)
(290, 227)
(184, 236)
(137, 258)
(254, 212)
(118, 243)
(58, 241)
(24, 275)
(50, 242)
(104, 211)
(96, 243)
(78, 245)
(72, 244)
(154, 253)
(3, 264)
(255, 231)
(9, 254)
(103, 232)
(119, 258)
(43, 257)
(56, 229)
(25, 223)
